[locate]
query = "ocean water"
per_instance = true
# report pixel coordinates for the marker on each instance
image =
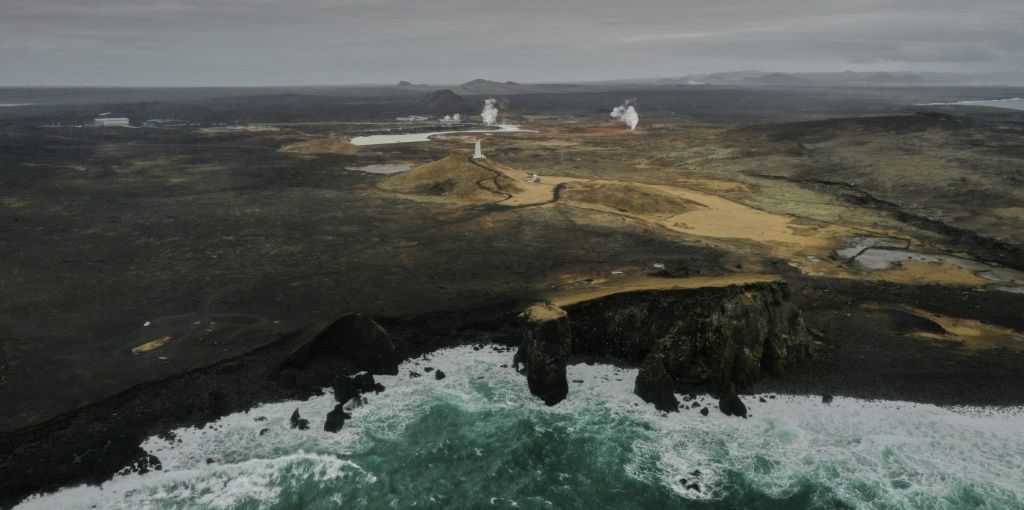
(1013, 103)
(477, 439)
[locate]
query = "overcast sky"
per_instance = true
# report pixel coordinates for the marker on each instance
(281, 42)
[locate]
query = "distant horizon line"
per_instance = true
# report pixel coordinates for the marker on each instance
(412, 83)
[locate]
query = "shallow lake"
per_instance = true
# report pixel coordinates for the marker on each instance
(381, 169)
(425, 136)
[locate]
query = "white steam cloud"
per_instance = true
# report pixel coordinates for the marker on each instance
(490, 113)
(626, 115)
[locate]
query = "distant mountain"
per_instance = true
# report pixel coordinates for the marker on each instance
(776, 80)
(444, 102)
(482, 86)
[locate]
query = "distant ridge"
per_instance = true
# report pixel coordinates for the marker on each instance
(776, 79)
(482, 86)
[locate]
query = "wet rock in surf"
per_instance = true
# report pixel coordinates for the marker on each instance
(298, 422)
(348, 387)
(439, 375)
(143, 464)
(544, 350)
(730, 404)
(354, 337)
(336, 418)
(655, 385)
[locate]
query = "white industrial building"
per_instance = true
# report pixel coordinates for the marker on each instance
(110, 122)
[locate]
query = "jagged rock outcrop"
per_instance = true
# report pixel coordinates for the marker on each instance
(704, 337)
(336, 418)
(655, 385)
(712, 338)
(348, 387)
(733, 334)
(354, 337)
(297, 421)
(730, 404)
(544, 350)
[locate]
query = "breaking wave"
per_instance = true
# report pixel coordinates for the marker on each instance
(478, 439)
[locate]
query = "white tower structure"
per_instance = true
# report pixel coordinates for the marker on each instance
(477, 154)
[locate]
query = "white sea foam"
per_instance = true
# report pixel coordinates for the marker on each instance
(868, 453)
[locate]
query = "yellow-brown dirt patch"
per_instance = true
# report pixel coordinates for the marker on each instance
(968, 333)
(331, 145)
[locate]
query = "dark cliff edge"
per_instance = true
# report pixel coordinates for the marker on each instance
(683, 339)
(709, 339)
(91, 444)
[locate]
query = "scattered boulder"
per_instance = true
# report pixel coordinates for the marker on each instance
(336, 418)
(826, 399)
(655, 385)
(704, 411)
(365, 382)
(439, 375)
(298, 422)
(544, 350)
(143, 464)
(348, 387)
(413, 375)
(730, 404)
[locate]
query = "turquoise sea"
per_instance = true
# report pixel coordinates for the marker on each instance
(478, 439)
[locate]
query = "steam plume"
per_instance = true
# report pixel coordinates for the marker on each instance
(626, 114)
(490, 113)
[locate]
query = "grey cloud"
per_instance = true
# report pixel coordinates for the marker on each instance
(262, 42)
